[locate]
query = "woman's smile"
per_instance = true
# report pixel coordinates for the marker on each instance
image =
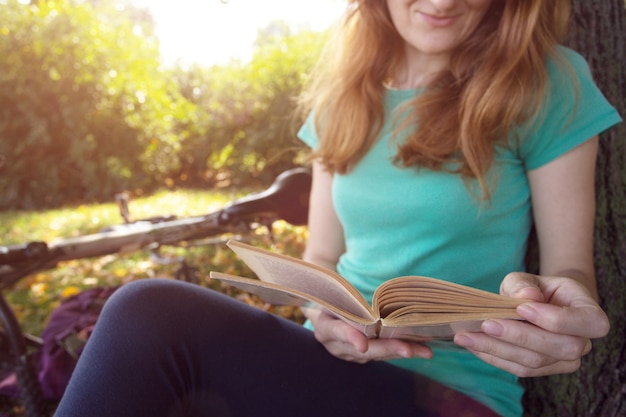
(438, 21)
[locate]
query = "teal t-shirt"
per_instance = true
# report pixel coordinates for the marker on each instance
(406, 221)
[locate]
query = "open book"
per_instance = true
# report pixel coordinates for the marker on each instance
(412, 307)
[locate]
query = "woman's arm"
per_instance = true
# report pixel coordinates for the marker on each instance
(326, 242)
(563, 316)
(564, 205)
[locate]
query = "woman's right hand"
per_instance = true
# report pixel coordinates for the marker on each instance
(347, 343)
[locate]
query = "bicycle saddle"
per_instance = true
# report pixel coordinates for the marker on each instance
(287, 198)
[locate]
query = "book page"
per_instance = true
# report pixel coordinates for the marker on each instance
(280, 295)
(304, 277)
(426, 333)
(412, 301)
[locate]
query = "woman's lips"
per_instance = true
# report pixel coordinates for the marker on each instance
(438, 21)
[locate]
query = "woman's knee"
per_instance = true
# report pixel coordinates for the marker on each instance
(171, 303)
(171, 311)
(136, 296)
(162, 304)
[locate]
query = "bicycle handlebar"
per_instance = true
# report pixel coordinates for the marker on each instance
(286, 198)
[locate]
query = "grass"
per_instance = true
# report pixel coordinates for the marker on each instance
(34, 297)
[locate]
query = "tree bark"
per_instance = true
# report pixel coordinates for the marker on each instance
(599, 387)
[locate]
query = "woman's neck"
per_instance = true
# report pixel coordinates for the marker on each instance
(419, 69)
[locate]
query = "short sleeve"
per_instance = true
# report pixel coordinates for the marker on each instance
(574, 111)
(307, 133)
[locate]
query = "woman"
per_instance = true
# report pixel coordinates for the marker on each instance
(434, 125)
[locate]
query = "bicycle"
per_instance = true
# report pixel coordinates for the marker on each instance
(285, 199)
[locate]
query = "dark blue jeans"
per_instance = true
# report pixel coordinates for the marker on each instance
(171, 349)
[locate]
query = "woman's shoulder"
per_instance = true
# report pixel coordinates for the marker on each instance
(574, 110)
(571, 56)
(570, 80)
(565, 63)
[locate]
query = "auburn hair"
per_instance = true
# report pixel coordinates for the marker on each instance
(495, 81)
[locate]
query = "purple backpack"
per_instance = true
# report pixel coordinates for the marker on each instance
(68, 328)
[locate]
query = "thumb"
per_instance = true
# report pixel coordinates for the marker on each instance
(522, 285)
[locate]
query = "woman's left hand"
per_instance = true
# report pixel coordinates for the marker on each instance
(561, 319)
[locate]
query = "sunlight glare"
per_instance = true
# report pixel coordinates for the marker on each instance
(216, 31)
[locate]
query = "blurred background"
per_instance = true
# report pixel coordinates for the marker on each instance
(100, 96)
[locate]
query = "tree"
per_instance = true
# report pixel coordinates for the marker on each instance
(87, 109)
(599, 387)
(84, 109)
(246, 130)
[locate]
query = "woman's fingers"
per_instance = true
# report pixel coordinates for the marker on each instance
(522, 285)
(347, 343)
(560, 319)
(524, 349)
(583, 317)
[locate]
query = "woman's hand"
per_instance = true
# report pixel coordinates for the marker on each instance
(561, 319)
(347, 343)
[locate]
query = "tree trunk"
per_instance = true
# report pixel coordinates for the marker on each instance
(598, 32)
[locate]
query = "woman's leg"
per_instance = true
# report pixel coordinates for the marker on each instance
(172, 349)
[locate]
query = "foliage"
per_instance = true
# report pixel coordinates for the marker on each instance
(85, 109)
(88, 110)
(247, 128)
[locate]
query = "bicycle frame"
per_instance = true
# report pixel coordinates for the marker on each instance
(286, 198)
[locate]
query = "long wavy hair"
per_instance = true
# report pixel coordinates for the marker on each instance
(495, 81)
